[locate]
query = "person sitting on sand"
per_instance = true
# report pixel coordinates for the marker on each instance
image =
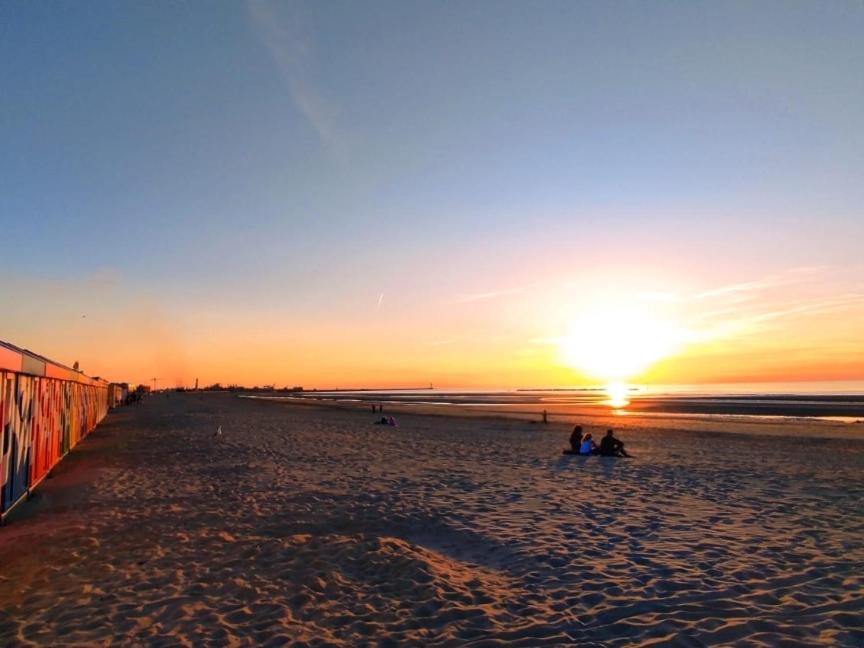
(612, 447)
(391, 421)
(382, 421)
(588, 447)
(576, 438)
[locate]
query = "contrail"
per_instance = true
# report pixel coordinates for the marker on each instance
(380, 299)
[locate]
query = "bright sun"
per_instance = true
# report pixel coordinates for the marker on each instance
(617, 344)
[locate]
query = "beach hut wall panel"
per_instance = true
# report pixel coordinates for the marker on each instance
(117, 394)
(60, 373)
(16, 438)
(44, 413)
(10, 360)
(32, 366)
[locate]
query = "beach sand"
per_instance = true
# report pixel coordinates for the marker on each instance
(306, 525)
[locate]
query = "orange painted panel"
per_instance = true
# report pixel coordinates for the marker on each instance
(53, 371)
(9, 359)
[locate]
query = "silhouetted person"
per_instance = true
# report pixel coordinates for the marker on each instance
(612, 447)
(576, 438)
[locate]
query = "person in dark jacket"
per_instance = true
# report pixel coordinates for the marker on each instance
(576, 439)
(612, 447)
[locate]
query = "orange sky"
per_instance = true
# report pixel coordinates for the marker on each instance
(801, 324)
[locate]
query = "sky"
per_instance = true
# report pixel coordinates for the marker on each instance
(349, 194)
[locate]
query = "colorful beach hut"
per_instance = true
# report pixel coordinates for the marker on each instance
(46, 408)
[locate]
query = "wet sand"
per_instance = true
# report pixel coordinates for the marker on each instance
(789, 407)
(304, 525)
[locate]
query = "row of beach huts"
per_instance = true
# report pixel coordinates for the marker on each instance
(46, 409)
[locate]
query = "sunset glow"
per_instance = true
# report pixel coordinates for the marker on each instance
(353, 207)
(618, 343)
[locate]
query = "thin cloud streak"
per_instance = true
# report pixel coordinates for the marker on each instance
(760, 321)
(815, 308)
(290, 49)
(492, 294)
(790, 277)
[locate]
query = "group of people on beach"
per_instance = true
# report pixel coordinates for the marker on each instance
(384, 420)
(585, 444)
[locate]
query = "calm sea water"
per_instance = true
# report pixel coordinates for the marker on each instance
(841, 401)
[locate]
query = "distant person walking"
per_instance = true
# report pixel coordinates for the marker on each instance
(612, 447)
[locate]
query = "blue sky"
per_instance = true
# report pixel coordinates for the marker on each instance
(313, 152)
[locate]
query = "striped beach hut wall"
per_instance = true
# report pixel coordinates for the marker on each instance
(46, 408)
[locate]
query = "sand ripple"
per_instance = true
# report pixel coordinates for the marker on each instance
(303, 526)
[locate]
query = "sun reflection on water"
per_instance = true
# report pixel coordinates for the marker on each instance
(617, 395)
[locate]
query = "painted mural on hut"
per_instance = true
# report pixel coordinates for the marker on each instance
(45, 410)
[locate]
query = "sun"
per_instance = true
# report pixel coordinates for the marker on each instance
(616, 344)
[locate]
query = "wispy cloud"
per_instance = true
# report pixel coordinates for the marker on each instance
(748, 288)
(492, 294)
(291, 50)
(769, 316)
(817, 307)
(734, 289)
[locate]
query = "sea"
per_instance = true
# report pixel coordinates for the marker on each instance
(842, 402)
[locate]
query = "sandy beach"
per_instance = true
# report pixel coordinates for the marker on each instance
(306, 525)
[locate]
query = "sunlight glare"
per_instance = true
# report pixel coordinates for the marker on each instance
(616, 344)
(617, 393)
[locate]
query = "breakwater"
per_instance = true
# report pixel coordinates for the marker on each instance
(46, 409)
